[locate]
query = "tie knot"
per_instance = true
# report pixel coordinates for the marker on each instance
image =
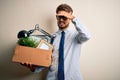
(63, 32)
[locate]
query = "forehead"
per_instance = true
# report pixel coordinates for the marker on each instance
(62, 13)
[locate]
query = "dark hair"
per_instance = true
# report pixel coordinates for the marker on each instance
(64, 7)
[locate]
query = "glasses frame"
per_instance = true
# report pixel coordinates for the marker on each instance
(61, 17)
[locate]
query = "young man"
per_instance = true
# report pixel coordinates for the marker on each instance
(67, 46)
(74, 35)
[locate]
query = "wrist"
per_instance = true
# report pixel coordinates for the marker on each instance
(74, 20)
(32, 68)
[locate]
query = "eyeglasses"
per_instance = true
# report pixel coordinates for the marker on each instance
(61, 17)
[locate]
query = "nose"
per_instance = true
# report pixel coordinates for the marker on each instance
(61, 19)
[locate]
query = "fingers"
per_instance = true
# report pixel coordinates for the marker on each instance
(72, 17)
(29, 65)
(66, 14)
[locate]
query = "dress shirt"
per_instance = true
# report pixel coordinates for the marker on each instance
(75, 35)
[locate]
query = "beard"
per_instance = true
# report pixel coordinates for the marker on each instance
(62, 25)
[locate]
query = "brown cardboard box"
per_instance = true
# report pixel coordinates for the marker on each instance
(31, 55)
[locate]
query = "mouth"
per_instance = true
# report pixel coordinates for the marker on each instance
(61, 24)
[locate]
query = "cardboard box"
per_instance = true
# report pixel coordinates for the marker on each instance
(35, 56)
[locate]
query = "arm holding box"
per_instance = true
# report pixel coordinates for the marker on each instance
(33, 68)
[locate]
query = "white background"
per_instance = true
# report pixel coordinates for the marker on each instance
(100, 56)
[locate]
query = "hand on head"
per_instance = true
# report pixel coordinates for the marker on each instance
(65, 14)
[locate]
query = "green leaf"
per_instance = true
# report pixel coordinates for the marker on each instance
(28, 41)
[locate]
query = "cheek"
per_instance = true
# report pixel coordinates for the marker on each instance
(67, 22)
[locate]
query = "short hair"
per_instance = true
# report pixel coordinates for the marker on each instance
(64, 7)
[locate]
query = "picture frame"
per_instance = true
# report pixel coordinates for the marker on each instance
(44, 45)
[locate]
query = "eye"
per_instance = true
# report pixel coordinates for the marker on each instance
(61, 17)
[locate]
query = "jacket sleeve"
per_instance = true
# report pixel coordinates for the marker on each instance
(83, 34)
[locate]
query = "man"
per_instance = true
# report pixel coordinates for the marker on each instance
(73, 34)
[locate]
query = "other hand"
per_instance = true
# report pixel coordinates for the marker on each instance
(30, 66)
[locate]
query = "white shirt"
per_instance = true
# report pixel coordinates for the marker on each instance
(75, 35)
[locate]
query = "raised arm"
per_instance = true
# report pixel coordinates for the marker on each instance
(83, 34)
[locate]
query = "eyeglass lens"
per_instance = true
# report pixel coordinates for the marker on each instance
(61, 17)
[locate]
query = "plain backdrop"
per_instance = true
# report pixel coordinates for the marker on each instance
(100, 56)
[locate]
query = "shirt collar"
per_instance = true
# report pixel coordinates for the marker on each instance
(68, 29)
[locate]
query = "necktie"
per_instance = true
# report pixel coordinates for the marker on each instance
(61, 57)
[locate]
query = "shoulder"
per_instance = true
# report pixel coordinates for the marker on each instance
(57, 33)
